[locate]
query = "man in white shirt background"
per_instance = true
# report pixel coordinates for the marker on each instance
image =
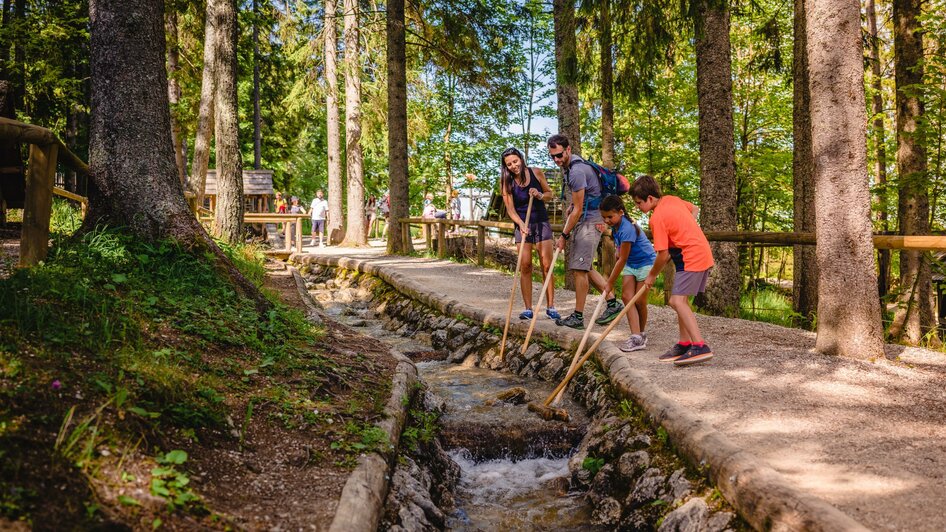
(319, 210)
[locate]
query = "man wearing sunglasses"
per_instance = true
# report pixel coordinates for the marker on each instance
(582, 216)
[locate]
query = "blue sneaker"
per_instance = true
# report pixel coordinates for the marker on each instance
(526, 315)
(552, 313)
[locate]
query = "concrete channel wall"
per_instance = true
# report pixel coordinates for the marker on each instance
(760, 494)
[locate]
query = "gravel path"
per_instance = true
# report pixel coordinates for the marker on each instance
(868, 437)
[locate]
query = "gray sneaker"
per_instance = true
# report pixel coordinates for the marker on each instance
(611, 311)
(574, 320)
(635, 343)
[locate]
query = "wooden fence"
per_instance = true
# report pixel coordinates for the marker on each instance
(918, 243)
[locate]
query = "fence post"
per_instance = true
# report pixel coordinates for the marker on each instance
(428, 236)
(441, 239)
(299, 234)
(480, 245)
(34, 240)
(288, 235)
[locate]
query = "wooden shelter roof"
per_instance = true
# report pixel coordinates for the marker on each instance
(255, 182)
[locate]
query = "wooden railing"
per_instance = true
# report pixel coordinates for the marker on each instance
(918, 243)
(288, 220)
(45, 151)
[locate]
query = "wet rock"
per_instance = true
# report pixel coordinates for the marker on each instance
(471, 361)
(515, 396)
(491, 359)
(606, 512)
(472, 333)
(533, 351)
(581, 477)
(719, 522)
(691, 517)
(603, 483)
(679, 486)
(648, 488)
(484, 340)
(459, 354)
(434, 403)
(632, 465)
(438, 339)
(514, 365)
(550, 371)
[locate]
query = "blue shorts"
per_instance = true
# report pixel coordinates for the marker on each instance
(639, 273)
(538, 232)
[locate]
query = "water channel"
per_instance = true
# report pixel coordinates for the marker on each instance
(514, 465)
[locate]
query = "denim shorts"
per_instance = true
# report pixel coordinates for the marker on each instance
(639, 273)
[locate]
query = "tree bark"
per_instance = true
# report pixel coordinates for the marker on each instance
(197, 180)
(19, 56)
(805, 260)
(717, 153)
(228, 221)
(257, 119)
(914, 315)
(131, 158)
(174, 93)
(607, 87)
(336, 191)
(398, 182)
(566, 72)
(355, 230)
(880, 165)
(848, 311)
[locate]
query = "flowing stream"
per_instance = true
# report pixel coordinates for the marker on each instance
(514, 465)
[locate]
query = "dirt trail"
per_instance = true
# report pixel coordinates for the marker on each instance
(868, 437)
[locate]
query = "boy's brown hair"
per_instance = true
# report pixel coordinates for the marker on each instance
(645, 186)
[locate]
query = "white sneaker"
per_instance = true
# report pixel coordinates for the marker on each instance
(635, 343)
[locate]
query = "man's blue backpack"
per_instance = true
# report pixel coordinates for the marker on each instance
(611, 183)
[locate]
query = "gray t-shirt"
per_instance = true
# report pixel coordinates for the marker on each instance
(580, 176)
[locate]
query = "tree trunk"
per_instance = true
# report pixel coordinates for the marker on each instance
(566, 72)
(914, 315)
(880, 165)
(174, 93)
(848, 311)
(197, 180)
(228, 223)
(336, 190)
(355, 230)
(805, 260)
(131, 159)
(607, 87)
(257, 120)
(398, 183)
(717, 153)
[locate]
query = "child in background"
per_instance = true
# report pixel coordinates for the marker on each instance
(280, 204)
(677, 236)
(635, 258)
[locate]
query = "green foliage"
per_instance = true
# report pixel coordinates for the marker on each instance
(361, 438)
(767, 305)
(422, 428)
(172, 485)
(592, 464)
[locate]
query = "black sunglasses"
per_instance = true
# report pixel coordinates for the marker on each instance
(558, 155)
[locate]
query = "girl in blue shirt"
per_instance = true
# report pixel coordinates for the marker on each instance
(635, 257)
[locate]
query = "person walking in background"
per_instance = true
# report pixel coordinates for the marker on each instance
(318, 211)
(518, 183)
(295, 208)
(371, 214)
(280, 203)
(582, 218)
(677, 236)
(384, 207)
(635, 258)
(455, 205)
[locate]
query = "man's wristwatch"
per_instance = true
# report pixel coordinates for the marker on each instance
(565, 235)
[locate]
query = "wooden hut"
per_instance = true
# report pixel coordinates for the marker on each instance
(257, 190)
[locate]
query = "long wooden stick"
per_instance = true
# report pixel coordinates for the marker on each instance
(535, 309)
(584, 340)
(515, 279)
(611, 326)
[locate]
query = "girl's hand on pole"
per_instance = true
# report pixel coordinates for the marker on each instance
(534, 192)
(650, 280)
(524, 229)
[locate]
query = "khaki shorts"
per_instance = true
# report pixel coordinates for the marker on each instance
(585, 239)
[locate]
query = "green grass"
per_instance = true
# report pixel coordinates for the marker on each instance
(112, 339)
(766, 305)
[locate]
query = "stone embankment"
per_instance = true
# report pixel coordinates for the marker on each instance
(626, 465)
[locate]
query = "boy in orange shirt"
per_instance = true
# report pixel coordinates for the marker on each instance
(677, 236)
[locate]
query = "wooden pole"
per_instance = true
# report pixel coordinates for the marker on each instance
(288, 236)
(299, 234)
(515, 278)
(480, 245)
(584, 339)
(34, 240)
(428, 236)
(441, 239)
